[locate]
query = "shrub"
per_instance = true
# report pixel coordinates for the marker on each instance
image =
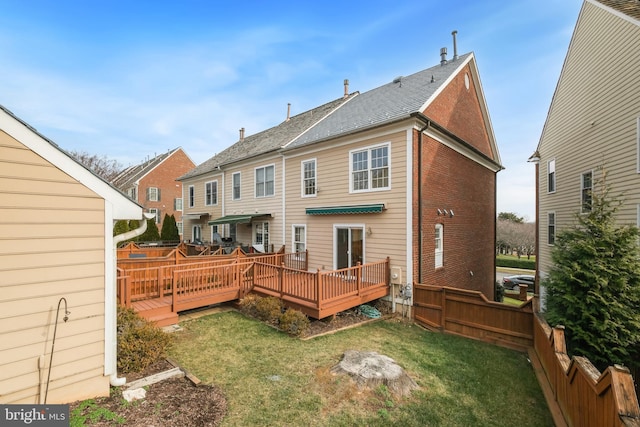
(294, 322)
(499, 292)
(140, 342)
(248, 304)
(523, 263)
(269, 309)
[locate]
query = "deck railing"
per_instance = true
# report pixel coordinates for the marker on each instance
(320, 290)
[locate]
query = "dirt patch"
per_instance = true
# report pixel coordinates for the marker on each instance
(168, 403)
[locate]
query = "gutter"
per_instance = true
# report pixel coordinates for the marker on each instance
(111, 310)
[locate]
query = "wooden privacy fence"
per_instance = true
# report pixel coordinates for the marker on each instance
(471, 314)
(585, 396)
(323, 293)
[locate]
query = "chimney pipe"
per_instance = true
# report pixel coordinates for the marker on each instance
(288, 111)
(455, 46)
(346, 87)
(443, 55)
(241, 134)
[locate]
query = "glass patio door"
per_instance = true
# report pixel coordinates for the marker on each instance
(349, 246)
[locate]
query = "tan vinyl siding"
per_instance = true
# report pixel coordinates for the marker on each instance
(52, 245)
(593, 120)
(388, 237)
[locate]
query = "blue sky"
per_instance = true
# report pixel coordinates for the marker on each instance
(131, 79)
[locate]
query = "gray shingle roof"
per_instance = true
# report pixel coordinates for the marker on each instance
(130, 175)
(387, 103)
(628, 7)
(268, 140)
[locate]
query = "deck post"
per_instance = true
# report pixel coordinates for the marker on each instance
(174, 290)
(359, 277)
(281, 280)
(127, 291)
(444, 309)
(319, 289)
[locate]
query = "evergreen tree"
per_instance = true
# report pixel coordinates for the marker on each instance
(151, 234)
(169, 231)
(593, 287)
(120, 227)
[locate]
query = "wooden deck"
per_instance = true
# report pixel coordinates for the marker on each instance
(159, 293)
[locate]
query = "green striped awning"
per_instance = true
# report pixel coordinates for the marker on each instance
(346, 210)
(237, 219)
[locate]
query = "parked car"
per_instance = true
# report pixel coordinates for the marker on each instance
(514, 282)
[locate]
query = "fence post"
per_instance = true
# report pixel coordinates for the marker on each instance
(160, 282)
(443, 323)
(127, 291)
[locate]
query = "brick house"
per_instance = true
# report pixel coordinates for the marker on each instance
(406, 171)
(153, 184)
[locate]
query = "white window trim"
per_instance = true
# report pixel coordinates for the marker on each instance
(439, 253)
(255, 181)
(369, 178)
(233, 194)
(156, 212)
(179, 225)
(315, 177)
(254, 239)
(215, 203)
(555, 176)
(175, 203)
(153, 190)
(582, 188)
(555, 227)
(191, 201)
(293, 235)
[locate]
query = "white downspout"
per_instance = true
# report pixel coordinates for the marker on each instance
(111, 314)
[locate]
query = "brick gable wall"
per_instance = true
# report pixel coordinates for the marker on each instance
(453, 182)
(164, 177)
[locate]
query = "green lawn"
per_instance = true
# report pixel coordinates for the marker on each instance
(272, 379)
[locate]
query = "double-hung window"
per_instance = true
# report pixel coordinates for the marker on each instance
(586, 187)
(236, 185)
(156, 213)
(265, 177)
(153, 194)
(192, 196)
(309, 187)
(551, 176)
(439, 246)
(551, 228)
(211, 193)
(370, 169)
(177, 204)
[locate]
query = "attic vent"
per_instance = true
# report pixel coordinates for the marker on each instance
(398, 79)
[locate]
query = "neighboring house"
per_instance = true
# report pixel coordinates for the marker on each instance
(406, 170)
(153, 184)
(593, 123)
(56, 245)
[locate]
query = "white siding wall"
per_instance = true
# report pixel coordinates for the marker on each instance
(388, 237)
(51, 246)
(592, 121)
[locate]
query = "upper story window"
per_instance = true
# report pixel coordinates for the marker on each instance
(586, 187)
(370, 169)
(153, 194)
(132, 193)
(551, 228)
(236, 186)
(439, 245)
(192, 196)
(177, 204)
(211, 193)
(265, 177)
(551, 176)
(309, 178)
